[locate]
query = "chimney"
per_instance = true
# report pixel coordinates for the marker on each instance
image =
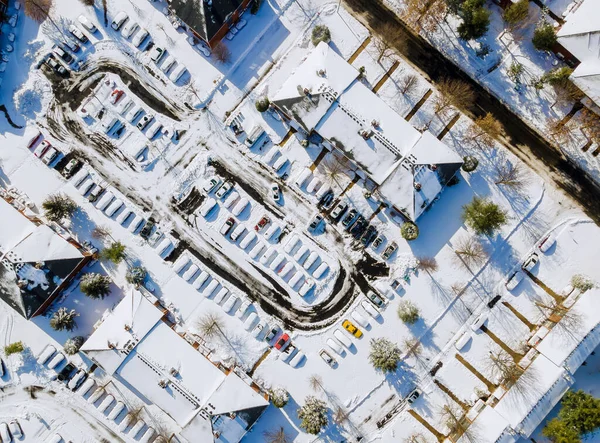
(417, 186)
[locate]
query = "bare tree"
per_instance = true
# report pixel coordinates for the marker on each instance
(457, 287)
(221, 52)
(38, 10)
(557, 312)
(277, 436)
(470, 252)
(427, 264)
(408, 83)
(455, 93)
(590, 124)
(389, 41)
(510, 174)
(88, 2)
(424, 15)
(340, 414)
(485, 130)
(416, 437)
(334, 169)
(316, 383)
(559, 129)
(212, 326)
(101, 232)
(503, 367)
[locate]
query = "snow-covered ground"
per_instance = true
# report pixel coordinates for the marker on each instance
(164, 182)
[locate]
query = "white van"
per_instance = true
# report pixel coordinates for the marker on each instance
(306, 288)
(86, 386)
(271, 231)
(254, 135)
(207, 207)
(202, 278)
(335, 345)
(221, 295)
(304, 175)
(237, 232)
(134, 114)
(56, 360)
(343, 338)
(231, 199)
(247, 239)
(153, 130)
(277, 262)
(76, 380)
(321, 269)
(301, 255)
(86, 186)
(292, 244)
(168, 64)
(80, 177)
(269, 255)
(251, 321)
(113, 207)
(212, 286)
(136, 224)
(177, 73)
(129, 29)
(257, 250)
(87, 24)
(314, 184)
(106, 200)
(139, 38)
(311, 260)
(116, 411)
(124, 216)
(109, 124)
(106, 403)
(190, 273)
(296, 279)
(240, 206)
(119, 19)
(280, 163)
(289, 268)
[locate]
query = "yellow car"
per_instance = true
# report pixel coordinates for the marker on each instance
(349, 326)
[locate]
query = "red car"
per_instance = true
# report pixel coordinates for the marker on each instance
(34, 140)
(264, 221)
(116, 96)
(283, 340)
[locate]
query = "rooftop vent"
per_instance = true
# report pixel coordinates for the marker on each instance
(433, 167)
(366, 134)
(321, 73)
(22, 283)
(417, 186)
(163, 383)
(127, 328)
(306, 91)
(174, 372)
(111, 345)
(375, 123)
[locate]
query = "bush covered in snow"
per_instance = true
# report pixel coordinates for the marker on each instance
(14, 348)
(470, 163)
(409, 231)
(582, 282)
(262, 104)
(384, 354)
(313, 415)
(408, 312)
(136, 275)
(320, 33)
(544, 36)
(64, 320)
(73, 344)
(279, 397)
(95, 285)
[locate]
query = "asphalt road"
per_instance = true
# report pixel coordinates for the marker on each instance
(524, 141)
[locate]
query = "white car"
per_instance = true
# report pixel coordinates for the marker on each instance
(119, 19)
(514, 280)
(208, 207)
(547, 242)
(87, 24)
(275, 192)
(129, 29)
(211, 184)
(479, 321)
(156, 54)
(139, 38)
(168, 64)
(530, 262)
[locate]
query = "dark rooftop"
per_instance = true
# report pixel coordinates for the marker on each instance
(204, 18)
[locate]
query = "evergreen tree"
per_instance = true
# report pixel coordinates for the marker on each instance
(580, 411)
(408, 312)
(476, 19)
(320, 33)
(384, 354)
(58, 207)
(558, 432)
(470, 163)
(483, 216)
(313, 415)
(516, 13)
(73, 344)
(95, 285)
(64, 320)
(114, 253)
(409, 231)
(262, 104)
(558, 76)
(544, 36)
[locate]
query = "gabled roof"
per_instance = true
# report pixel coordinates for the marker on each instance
(205, 17)
(233, 395)
(583, 20)
(324, 75)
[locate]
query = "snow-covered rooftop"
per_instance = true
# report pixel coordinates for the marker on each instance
(488, 427)
(580, 35)
(569, 333)
(15, 226)
(538, 390)
(134, 345)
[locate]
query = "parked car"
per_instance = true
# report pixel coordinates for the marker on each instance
(378, 241)
(275, 192)
(15, 429)
(42, 148)
(87, 24)
(530, 262)
(416, 393)
(139, 38)
(50, 156)
(282, 342)
(349, 218)
(271, 335)
(141, 125)
(327, 358)
(514, 280)
(116, 95)
(225, 189)
(315, 222)
(339, 210)
(479, 321)
(119, 19)
(76, 32)
(156, 54)
(56, 67)
(359, 226)
(349, 326)
(264, 221)
(62, 54)
(71, 44)
(547, 242)
(493, 301)
(389, 250)
(227, 225)
(368, 236)
(4, 434)
(376, 299)
(129, 29)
